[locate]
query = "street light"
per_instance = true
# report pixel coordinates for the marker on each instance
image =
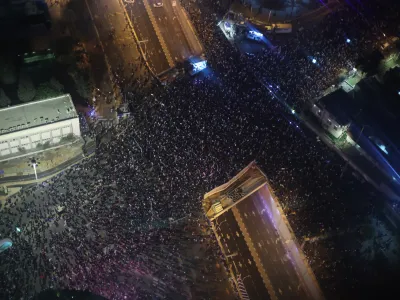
(348, 41)
(34, 164)
(314, 61)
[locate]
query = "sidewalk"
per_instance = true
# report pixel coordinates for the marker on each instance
(19, 181)
(47, 160)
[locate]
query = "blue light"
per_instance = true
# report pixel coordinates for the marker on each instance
(348, 41)
(314, 61)
(255, 33)
(199, 66)
(383, 148)
(5, 244)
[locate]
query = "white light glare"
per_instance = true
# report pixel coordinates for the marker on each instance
(255, 33)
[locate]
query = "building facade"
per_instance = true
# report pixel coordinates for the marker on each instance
(37, 126)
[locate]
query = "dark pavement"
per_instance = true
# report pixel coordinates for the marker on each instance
(120, 47)
(171, 31)
(270, 248)
(282, 273)
(47, 173)
(243, 264)
(146, 33)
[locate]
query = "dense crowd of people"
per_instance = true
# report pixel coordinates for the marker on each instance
(114, 236)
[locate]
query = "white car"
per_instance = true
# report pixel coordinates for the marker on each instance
(158, 3)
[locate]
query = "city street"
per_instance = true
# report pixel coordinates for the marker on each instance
(171, 30)
(116, 37)
(166, 33)
(270, 249)
(239, 255)
(146, 34)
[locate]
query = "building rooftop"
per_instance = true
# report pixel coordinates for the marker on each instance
(37, 113)
(339, 104)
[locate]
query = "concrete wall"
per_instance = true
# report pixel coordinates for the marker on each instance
(10, 143)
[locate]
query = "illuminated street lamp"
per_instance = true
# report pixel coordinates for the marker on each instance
(314, 61)
(348, 41)
(34, 164)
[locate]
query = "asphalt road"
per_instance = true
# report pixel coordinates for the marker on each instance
(146, 33)
(172, 32)
(121, 48)
(270, 248)
(233, 242)
(282, 273)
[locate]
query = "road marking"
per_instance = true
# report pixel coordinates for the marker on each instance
(254, 253)
(137, 40)
(158, 33)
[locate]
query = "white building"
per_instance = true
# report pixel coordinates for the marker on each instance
(26, 128)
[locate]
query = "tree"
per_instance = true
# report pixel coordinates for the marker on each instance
(46, 145)
(26, 89)
(46, 91)
(7, 71)
(55, 84)
(69, 137)
(4, 100)
(83, 86)
(22, 150)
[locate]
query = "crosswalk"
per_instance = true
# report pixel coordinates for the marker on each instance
(242, 289)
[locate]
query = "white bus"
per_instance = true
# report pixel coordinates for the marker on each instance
(279, 28)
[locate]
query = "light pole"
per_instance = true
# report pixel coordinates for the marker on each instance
(34, 163)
